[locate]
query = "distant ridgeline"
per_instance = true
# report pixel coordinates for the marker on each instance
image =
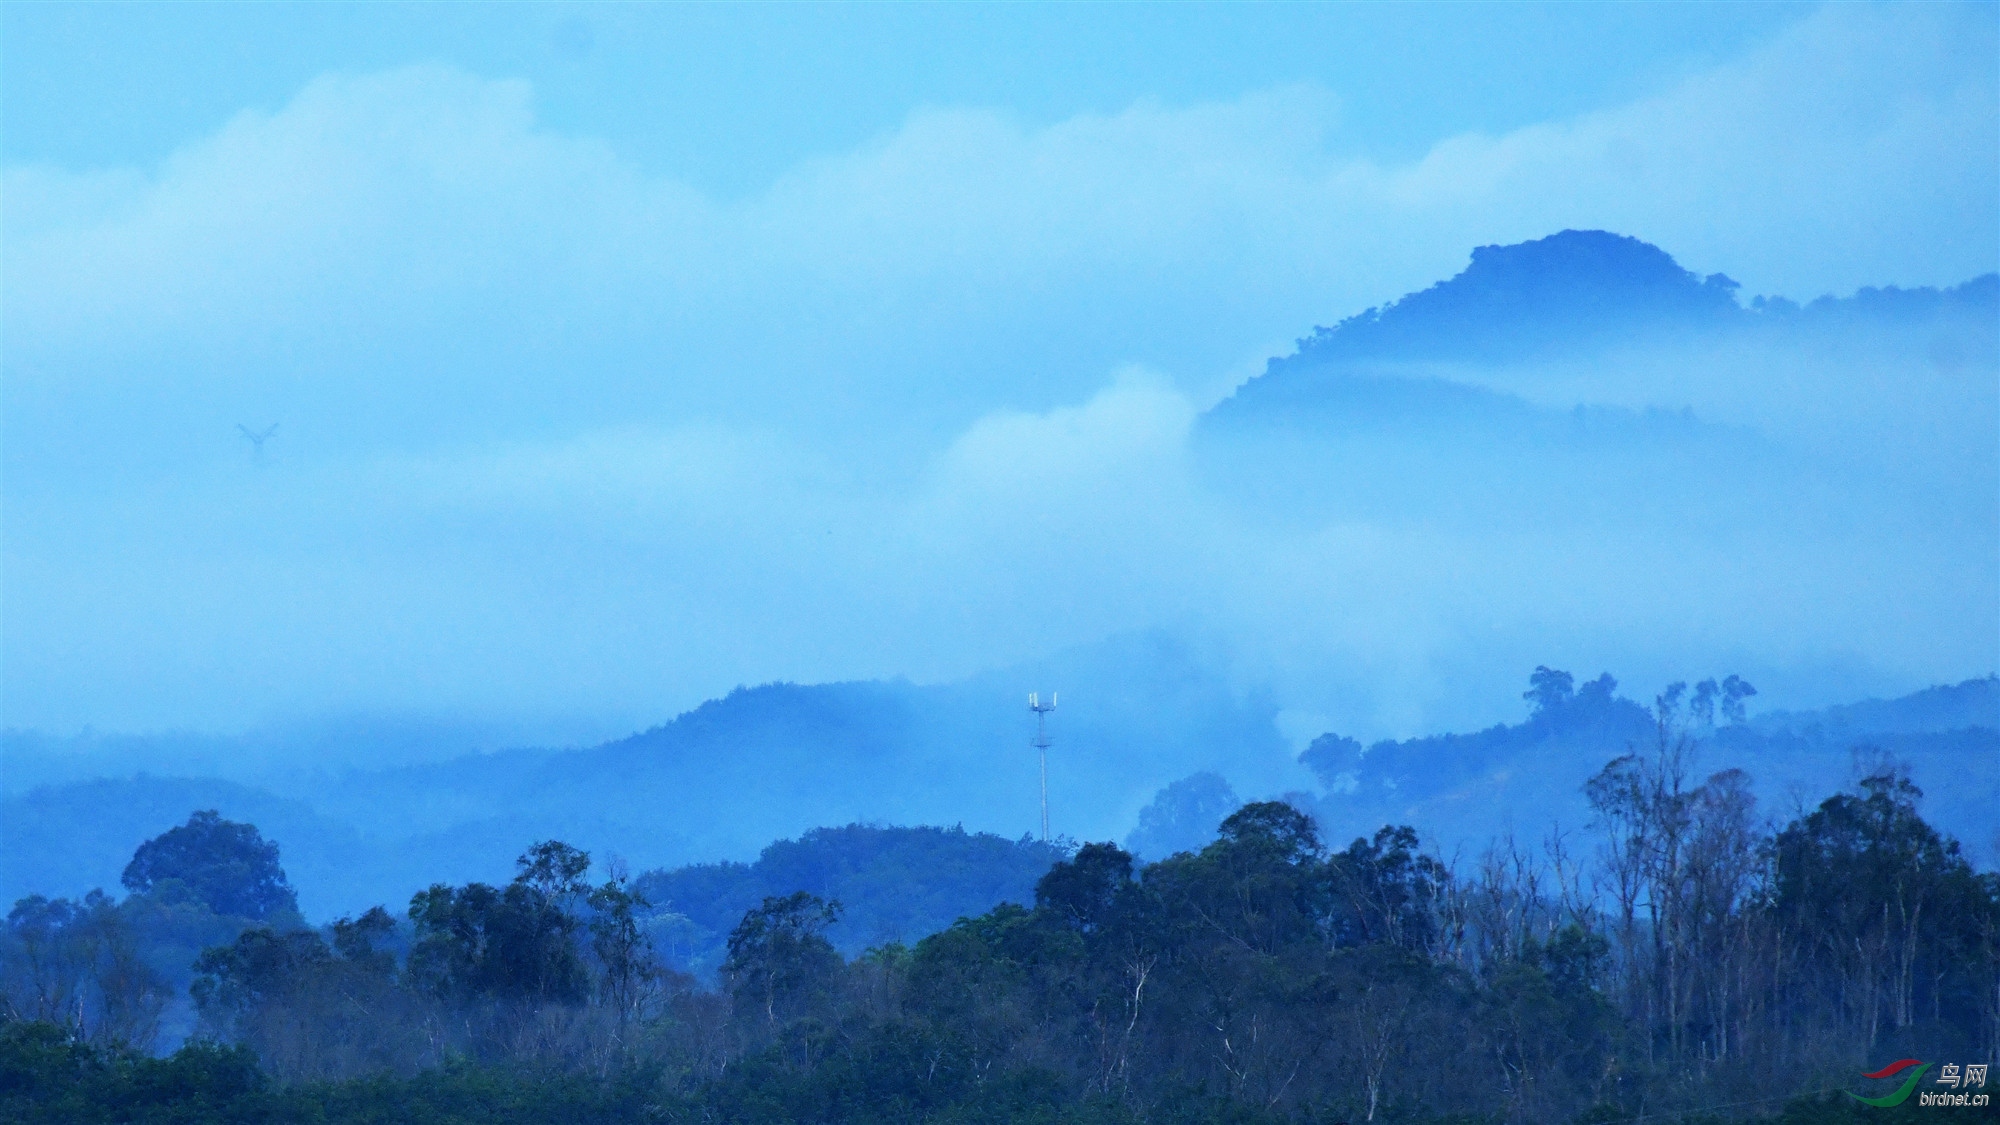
(717, 782)
(1377, 419)
(1692, 962)
(462, 820)
(1571, 295)
(866, 966)
(1574, 290)
(893, 884)
(1503, 779)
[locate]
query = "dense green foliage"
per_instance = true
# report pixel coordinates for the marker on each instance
(121, 970)
(1183, 816)
(374, 835)
(230, 867)
(1466, 788)
(47, 1077)
(894, 884)
(1694, 966)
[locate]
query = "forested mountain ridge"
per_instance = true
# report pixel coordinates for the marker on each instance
(640, 798)
(1576, 381)
(1944, 707)
(893, 884)
(1574, 293)
(1559, 290)
(775, 760)
(1698, 964)
(1418, 424)
(730, 775)
(1490, 783)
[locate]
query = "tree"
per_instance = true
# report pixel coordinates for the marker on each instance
(45, 971)
(780, 963)
(257, 990)
(1183, 816)
(507, 943)
(310, 1010)
(1335, 759)
(229, 866)
(1548, 689)
(515, 943)
(1385, 890)
(355, 940)
(79, 964)
(1274, 829)
(554, 869)
(1256, 883)
(1390, 1001)
(1890, 913)
(624, 952)
(1726, 698)
(1083, 891)
(1682, 865)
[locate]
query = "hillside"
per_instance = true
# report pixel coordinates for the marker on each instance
(67, 839)
(689, 793)
(1574, 290)
(718, 782)
(1572, 294)
(893, 885)
(1439, 425)
(1465, 788)
(1596, 360)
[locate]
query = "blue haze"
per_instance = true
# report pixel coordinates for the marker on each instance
(623, 357)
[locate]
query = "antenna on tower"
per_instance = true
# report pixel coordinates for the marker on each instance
(1041, 745)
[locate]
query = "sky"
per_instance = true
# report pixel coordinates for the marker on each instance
(623, 354)
(728, 98)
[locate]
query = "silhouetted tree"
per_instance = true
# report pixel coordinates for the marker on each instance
(1548, 689)
(229, 866)
(624, 952)
(80, 965)
(1183, 816)
(780, 966)
(1892, 925)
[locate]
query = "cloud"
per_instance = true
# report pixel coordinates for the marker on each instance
(1136, 425)
(559, 434)
(423, 213)
(1856, 149)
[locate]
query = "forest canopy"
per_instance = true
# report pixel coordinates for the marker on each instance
(1680, 957)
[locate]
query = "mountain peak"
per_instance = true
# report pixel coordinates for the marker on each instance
(1570, 287)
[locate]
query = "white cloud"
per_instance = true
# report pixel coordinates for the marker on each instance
(534, 398)
(1857, 148)
(1136, 425)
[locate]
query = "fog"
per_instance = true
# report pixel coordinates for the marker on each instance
(565, 447)
(526, 532)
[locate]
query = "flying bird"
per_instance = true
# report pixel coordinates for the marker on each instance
(257, 440)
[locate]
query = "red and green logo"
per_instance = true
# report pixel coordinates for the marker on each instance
(1902, 1093)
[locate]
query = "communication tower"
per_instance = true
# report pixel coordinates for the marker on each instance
(1041, 745)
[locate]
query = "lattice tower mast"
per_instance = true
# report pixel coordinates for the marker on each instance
(1041, 745)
